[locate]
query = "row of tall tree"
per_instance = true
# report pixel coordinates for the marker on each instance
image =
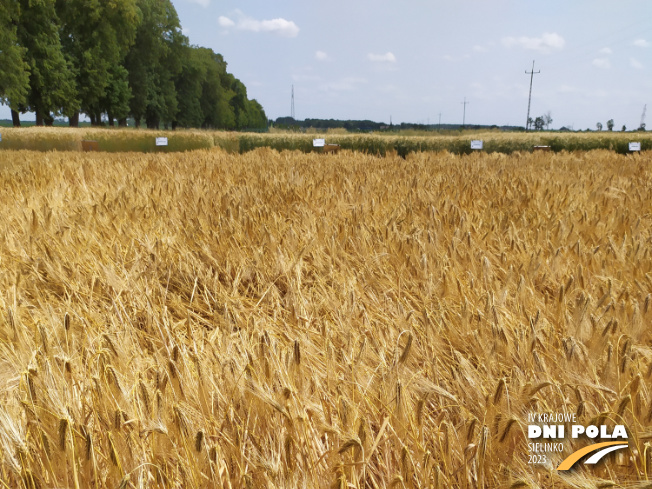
(112, 60)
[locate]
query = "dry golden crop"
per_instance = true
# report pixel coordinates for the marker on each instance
(289, 320)
(381, 143)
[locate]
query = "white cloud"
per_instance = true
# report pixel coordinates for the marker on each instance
(321, 55)
(605, 51)
(548, 42)
(203, 3)
(602, 63)
(480, 49)
(280, 27)
(225, 21)
(641, 43)
(634, 63)
(382, 58)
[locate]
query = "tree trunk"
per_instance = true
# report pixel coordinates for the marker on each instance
(137, 122)
(96, 118)
(110, 116)
(122, 122)
(48, 119)
(39, 118)
(15, 118)
(152, 122)
(74, 120)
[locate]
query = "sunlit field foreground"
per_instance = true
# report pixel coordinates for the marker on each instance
(285, 320)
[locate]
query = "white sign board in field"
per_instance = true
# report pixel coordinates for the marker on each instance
(476, 144)
(635, 146)
(161, 141)
(318, 143)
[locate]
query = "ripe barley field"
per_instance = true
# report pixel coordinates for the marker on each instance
(286, 320)
(380, 144)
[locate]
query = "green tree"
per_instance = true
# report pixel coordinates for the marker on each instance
(189, 86)
(117, 96)
(115, 58)
(224, 114)
(153, 63)
(256, 115)
(239, 103)
(610, 124)
(14, 71)
(216, 93)
(96, 36)
(599, 126)
(539, 123)
(51, 81)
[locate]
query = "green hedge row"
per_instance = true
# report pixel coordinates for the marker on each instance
(500, 143)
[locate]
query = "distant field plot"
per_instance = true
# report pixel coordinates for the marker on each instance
(282, 320)
(144, 141)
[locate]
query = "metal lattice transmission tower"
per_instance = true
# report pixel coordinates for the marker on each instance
(529, 100)
(292, 104)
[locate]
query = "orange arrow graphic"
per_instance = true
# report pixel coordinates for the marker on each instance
(575, 456)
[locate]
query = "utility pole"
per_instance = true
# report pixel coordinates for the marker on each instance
(292, 104)
(531, 73)
(464, 114)
(642, 124)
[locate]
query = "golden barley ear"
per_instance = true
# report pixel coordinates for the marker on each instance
(63, 433)
(297, 352)
(500, 389)
(199, 438)
(406, 349)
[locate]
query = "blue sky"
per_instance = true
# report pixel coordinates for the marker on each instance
(415, 60)
(362, 59)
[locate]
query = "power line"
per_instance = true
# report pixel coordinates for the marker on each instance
(529, 100)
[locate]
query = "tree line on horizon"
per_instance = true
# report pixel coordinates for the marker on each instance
(289, 123)
(114, 60)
